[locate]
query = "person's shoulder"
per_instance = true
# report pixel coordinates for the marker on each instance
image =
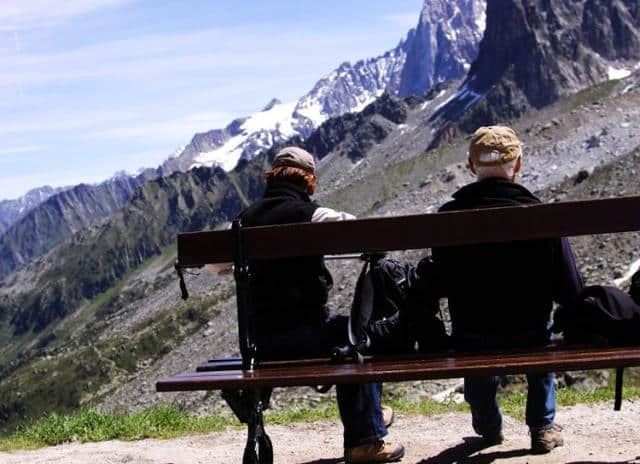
(451, 205)
(525, 195)
(322, 214)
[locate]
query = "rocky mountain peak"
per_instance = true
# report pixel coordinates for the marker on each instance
(271, 104)
(444, 44)
(555, 48)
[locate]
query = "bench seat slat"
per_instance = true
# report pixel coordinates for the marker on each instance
(236, 363)
(407, 369)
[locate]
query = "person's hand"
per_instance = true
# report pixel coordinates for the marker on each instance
(220, 269)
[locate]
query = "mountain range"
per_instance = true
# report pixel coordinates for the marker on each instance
(13, 210)
(102, 306)
(447, 37)
(440, 48)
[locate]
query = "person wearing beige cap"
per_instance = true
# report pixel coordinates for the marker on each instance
(501, 295)
(289, 299)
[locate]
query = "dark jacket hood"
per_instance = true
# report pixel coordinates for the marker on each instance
(286, 189)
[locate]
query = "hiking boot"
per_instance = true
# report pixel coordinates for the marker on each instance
(544, 439)
(493, 438)
(388, 416)
(378, 451)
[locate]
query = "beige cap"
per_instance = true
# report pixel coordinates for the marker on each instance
(501, 141)
(295, 157)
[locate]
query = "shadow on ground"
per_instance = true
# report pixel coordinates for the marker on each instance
(326, 461)
(462, 453)
(465, 453)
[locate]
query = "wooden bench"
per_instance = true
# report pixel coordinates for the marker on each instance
(244, 381)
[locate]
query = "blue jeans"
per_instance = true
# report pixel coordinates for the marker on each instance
(359, 404)
(480, 393)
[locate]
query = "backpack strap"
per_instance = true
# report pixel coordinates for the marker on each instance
(361, 308)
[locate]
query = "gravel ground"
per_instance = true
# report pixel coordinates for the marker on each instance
(593, 434)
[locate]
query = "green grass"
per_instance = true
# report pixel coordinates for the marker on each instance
(90, 425)
(425, 408)
(588, 96)
(514, 403)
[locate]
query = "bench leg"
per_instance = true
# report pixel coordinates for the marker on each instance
(259, 449)
(248, 406)
(617, 405)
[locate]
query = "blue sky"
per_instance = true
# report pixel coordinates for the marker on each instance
(90, 87)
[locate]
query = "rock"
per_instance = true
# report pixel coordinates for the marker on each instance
(593, 142)
(583, 380)
(538, 67)
(442, 46)
(582, 175)
(448, 177)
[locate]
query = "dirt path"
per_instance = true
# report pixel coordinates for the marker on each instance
(594, 434)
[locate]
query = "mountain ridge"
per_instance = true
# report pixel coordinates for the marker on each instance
(349, 88)
(12, 210)
(59, 216)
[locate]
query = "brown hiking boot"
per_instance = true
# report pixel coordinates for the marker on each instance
(388, 416)
(378, 451)
(492, 438)
(544, 439)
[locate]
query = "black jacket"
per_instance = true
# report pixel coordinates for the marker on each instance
(286, 292)
(501, 294)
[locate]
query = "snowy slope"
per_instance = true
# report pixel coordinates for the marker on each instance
(347, 89)
(258, 131)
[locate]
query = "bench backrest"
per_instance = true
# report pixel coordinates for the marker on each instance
(416, 231)
(491, 225)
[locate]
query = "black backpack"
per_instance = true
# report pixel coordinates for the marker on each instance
(382, 320)
(602, 315)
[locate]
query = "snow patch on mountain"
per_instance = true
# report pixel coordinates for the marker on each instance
(350, 88)
(618, 73)
(260, 130)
